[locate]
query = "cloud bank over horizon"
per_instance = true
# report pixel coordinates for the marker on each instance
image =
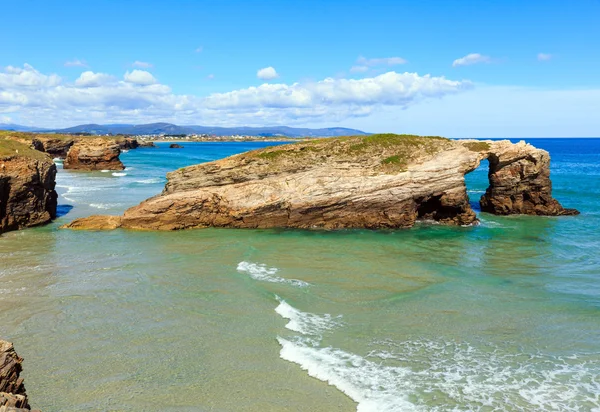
(48, 100)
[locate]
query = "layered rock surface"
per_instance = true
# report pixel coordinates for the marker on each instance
(377, 181)
(94, 154)
(27, 182)
(89, 153)
(13, 396)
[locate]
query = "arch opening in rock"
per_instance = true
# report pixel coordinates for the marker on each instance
(477, 182)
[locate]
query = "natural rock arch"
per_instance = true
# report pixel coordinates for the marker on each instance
(377, 181)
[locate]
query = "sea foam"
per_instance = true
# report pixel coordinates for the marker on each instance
(306, 323)
(119, 174)
(267, 274)
(423, 375)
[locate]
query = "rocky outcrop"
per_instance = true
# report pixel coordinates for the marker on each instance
(520, 183)
(147, 144)
(27, 181)
(175, 146)
(94, 154)
(13, 397)
(127, 143)
(377, 181)
(57, 147)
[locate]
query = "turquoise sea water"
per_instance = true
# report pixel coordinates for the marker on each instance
(500, 316)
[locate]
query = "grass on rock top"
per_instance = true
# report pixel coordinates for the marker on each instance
(12, 148)
(389, 153)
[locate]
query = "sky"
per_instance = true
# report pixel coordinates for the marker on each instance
(485, 68)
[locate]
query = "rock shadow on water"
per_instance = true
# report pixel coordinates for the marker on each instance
(62, 210)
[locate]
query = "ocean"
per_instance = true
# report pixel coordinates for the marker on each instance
(500, 316)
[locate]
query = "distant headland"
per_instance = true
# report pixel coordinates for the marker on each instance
(168, 129)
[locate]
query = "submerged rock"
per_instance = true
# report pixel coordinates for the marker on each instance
(95, 222)
(13, 396)
(377, 181)
(94, 154)
(27, 182)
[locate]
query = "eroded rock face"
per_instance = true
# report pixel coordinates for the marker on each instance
(27, 195)
(128, 143)
(94, 154)
(12, 389)
(520, 183)
(379, 181)
(55, 147)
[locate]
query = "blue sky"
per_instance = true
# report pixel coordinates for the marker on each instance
(532, 70)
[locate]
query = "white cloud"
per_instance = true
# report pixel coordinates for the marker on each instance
(139, 77)
(91, 79)
(76, 63)
(544, 57)
(199, 49)
(49, 101)
(268, 73)
(470, 59)
(143, 65)
(332, 99)
(26, 77)
(385, 61)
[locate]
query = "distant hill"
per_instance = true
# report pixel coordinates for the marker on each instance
(168, 128)
(19, 128)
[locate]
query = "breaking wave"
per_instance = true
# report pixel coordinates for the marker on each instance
(266, 274)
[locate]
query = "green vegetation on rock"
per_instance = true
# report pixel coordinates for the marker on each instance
(12, 148)
(388, 153)
(477, 146)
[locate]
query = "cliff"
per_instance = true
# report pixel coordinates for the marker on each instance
(27, 180)
(376, 181)
(79, 152)
(13, 397)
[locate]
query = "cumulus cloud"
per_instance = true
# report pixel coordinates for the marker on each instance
(91, 79)
(76, 63)
(26, 77)
(48, 100)
(544, 57)
(139, 77)
(143, 65)
(470, 59)
(268, 73)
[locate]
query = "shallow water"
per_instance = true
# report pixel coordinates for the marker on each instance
(504, 315)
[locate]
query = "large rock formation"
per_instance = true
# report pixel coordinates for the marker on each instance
(27, 181)
(94, 154)
(13, 397)
(378, 181)
(520, 183)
